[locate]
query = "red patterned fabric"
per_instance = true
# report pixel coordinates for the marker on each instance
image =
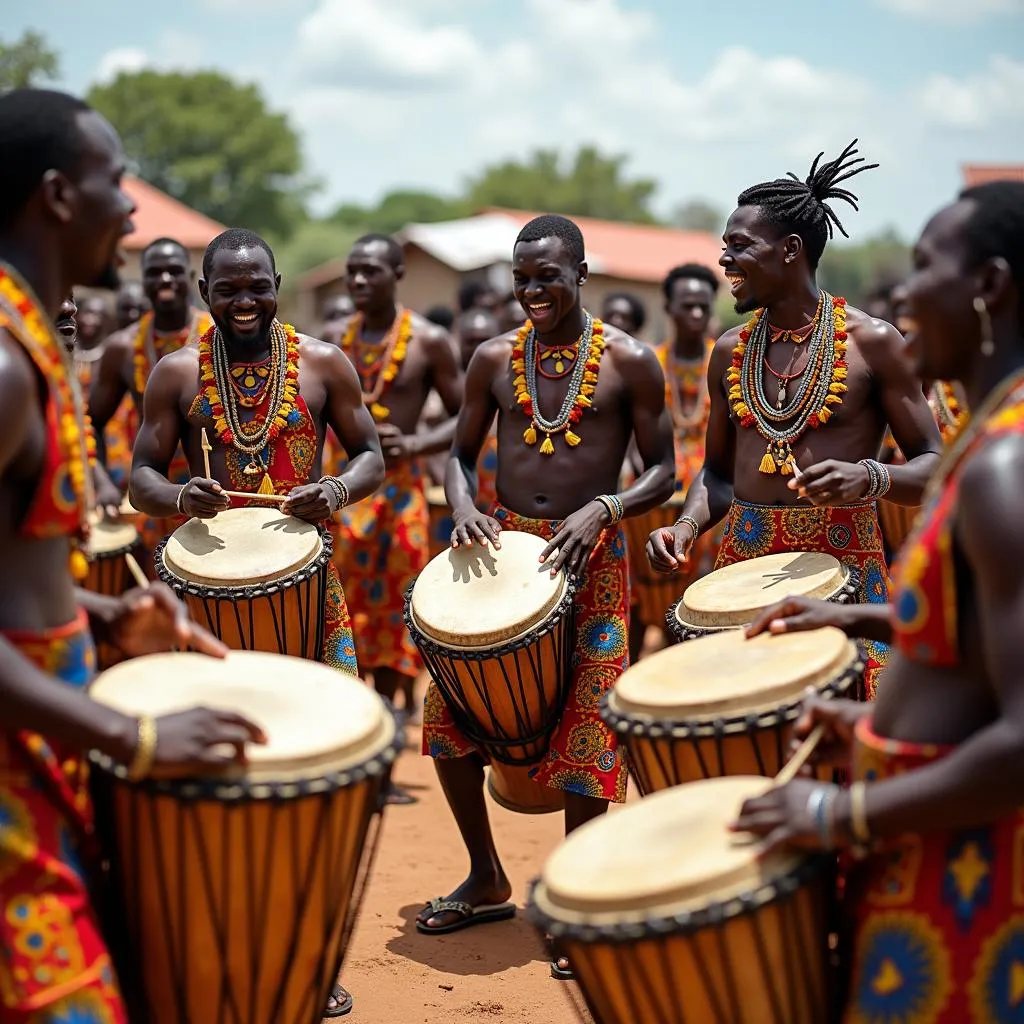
(848, 532)
(54, 965)
(382, 544)
(585, 757)
(120, 431)
(937, 920)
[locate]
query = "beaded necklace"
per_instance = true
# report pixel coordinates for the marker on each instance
(684, 380)
(146, 352)
(378, 364)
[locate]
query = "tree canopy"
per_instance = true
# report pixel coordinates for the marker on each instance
(27, 61)
(211, 143)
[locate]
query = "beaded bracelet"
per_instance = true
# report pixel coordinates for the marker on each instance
(145, 749)
(879, 480)
(338, 488)
(691, 523)
(616, 510)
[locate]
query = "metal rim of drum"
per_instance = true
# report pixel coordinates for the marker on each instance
(686, 922)
(845, 593)
(236, 791)
(517, 643)
(247, 590)
(627, 725)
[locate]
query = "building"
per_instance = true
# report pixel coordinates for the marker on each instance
(981, 174)
(440, 257)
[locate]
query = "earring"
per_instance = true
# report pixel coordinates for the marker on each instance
(988, 345)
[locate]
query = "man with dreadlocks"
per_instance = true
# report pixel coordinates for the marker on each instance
(800, 399)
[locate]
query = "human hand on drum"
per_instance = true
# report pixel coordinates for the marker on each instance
(311, 502)
(108, 497)
(668, 547)
(153, 620)
(802, 813)
(395, 445)
(203, 498)
(574, 540)
(800, 615)
(189, 741)
(473, 526)
(832, 482)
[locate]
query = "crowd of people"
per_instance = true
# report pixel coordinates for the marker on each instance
(785, 434)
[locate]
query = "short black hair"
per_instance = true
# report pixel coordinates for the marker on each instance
(551, 225)
(801, 208)
(996, 227)
(440, 315)
(234, 239)
(396, 254)
(165, 241)
(638, 311)
(688, 272)
(38, 133)
(470, 292)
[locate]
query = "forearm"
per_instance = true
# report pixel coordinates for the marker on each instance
(362, 475)
(33, 700)
(100, 609)
(461, 484)
(152, 493)
(708, 499)
(437, 439)
(651, 489)
(979, 782)
(907, 482)
(869, 622)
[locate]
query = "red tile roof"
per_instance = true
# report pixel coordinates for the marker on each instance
(637, 252)
(981, 174)
(160, 216)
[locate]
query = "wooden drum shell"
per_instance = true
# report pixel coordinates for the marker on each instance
(109, 575)
(441, 523)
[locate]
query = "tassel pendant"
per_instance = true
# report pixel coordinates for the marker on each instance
(767, 463)
(379, 412)
(530, 435)
(266, 485)
(572, 439)
(547, 448)
(786, 469)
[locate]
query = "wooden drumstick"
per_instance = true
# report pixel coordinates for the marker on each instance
(136, 570)
(207, 448)
(278, 499)
(799, 759)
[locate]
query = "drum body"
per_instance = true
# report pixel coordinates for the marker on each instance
(441, 522)
(667, 918)
(725, 705)
(235, 896)
(253, 577)
(497, 638)
(896, 522)
(653, 592)
(736, 594)
(108, 572)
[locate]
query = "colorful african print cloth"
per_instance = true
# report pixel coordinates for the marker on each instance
(119, 433)
(585, 756)
(381, 545)
(54, 964)
(153, 530)
(441, 521)
(936, 920)
(847, 532)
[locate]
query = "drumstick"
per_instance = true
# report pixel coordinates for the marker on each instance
(136, 570)
(207, 448)
(799, 759)
(279, 499)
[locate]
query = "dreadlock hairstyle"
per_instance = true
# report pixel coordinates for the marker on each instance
(552, 226)
(802, 207)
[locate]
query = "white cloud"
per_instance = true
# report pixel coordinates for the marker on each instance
(174, 51)
(953, 11)
(113, 62)
(991, 98)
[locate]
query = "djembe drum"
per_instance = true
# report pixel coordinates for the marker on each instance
(441, 522)
(108, 574)
(669, 918)
(725, 705)
(653, 592)
(497, 638)
(236, 893)
(896, 522)
(736, 594)
(253, 577)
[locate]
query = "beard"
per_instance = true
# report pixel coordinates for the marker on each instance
(748, 305)
(256, 342)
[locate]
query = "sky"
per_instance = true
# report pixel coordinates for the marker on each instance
(705, 98)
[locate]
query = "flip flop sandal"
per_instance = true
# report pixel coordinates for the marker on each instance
(344, 1001)
(561, 973)
(486, 913)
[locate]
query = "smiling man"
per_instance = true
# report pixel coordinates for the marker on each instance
(557, 479)
(800, 399)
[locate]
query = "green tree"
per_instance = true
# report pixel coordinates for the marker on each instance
(699, 215)
(211, 143)
(26, 62)
(591, 185)
(311, 243)
(855, 270)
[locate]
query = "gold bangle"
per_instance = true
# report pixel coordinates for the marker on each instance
(145, 749)
(859, 814)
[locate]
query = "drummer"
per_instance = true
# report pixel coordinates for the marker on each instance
(556, 479)
(831, 381)
(936, 914)
(62, 216)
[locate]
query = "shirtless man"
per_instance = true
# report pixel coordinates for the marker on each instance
(130, 305)
(383, 543)
(336, 313)
(624, 311)
(62, 216)
(800, 399)
(935, 909)
(567, 496)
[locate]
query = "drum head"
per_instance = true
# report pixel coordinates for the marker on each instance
(106, 537)
(317, 719)
(127, 508)
(240, 547)
(435, 497)
(479, 597)
(725, 675)
(735, 594)
(666, 854)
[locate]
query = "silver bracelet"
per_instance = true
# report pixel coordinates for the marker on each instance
(691, 523)
(821, 810)
(336, 486)
(879, 480)
(179, 504)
